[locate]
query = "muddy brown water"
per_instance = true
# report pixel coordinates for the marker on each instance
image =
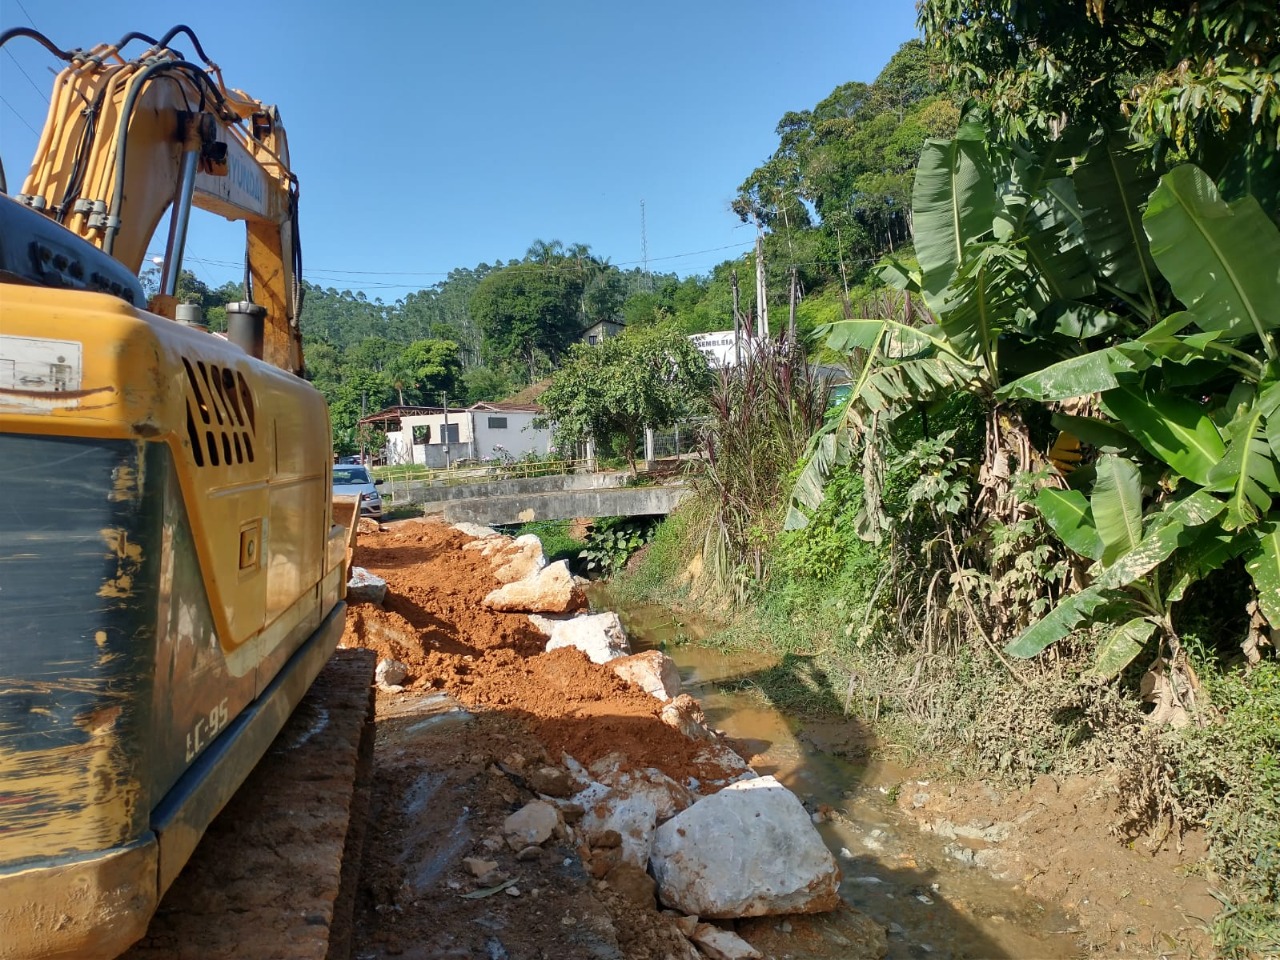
(932, 905)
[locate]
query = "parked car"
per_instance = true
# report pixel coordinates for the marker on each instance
(349, 480)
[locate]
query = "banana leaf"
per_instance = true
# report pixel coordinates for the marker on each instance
(953, 203)
(1116, 505)
(1222, 260)
(1067, 513)
(1112, 183)
(1121, 646)
(1174, 429)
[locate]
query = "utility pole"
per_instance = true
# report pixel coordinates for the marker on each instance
(364, 397)
(762, 291)
(444, 401)
(791, 319)
(737, 321)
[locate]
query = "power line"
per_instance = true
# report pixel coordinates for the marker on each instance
(333, 273)
(18, 115)
(44, 96)
(24, 11)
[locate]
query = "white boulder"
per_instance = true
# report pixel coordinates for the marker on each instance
(685, 714)
(748, 851)
(633, 815)
(476, 530)
(531, 825)
(601, 637)
(550, 590)
(652, 671)
(721, 756)
(520, 559)
(544, 623)
(390, 673)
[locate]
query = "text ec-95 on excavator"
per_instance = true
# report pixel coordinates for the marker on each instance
(172, 580)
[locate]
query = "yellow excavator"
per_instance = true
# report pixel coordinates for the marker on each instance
(171, 575)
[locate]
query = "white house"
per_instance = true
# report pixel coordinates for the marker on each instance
(485, 431)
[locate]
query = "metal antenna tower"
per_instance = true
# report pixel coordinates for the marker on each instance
(644, 248)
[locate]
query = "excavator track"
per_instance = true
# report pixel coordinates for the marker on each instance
(275, 874)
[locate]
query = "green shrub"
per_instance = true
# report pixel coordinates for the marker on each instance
(612, 540)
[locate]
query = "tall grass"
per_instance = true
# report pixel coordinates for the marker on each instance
(762, 414)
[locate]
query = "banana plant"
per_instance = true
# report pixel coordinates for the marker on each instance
(1007, 273)
(1198, 393)
(1143, 562)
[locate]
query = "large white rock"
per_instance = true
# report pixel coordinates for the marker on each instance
(669, 797)
(652, 671)
(520, 559)
(748, 851)
(544, 623)
(632, 815)
(476, 530)
(390, 673)
(601, 637)
(732, 767)
(551, 590)
(532, 824)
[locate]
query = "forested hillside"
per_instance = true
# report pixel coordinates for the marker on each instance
(832, 198)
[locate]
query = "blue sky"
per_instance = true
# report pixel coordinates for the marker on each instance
(429, 136)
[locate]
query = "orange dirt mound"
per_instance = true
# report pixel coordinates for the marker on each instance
(434, 622)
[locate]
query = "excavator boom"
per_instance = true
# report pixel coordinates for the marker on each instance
(126, 140)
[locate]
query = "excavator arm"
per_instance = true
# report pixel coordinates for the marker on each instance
(128, 139)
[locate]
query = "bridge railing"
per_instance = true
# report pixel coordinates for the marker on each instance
(399, 476)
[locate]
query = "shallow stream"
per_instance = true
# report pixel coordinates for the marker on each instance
(931, 904)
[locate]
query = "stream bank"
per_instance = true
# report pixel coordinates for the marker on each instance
(949, 866)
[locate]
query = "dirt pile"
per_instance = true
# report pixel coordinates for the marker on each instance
(433, 621)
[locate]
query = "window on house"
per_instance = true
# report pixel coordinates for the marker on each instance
(453, 433)
(422, 434)
(591, 339)
(497, 423)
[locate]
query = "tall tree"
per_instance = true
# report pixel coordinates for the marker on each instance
(528, 309)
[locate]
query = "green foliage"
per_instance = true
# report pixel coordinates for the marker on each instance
(821, 549)
(612, 540)
(849, 159)
(612, 390)
(528, 310)
(1196, 78)
(1228, 777)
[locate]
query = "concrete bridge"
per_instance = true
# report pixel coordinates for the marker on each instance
(558, 497)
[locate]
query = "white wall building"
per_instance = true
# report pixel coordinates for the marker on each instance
(486, 431)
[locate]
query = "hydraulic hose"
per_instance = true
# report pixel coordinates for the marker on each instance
(183, 28)
(40, 38)
(122, 134)
(135, 35)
